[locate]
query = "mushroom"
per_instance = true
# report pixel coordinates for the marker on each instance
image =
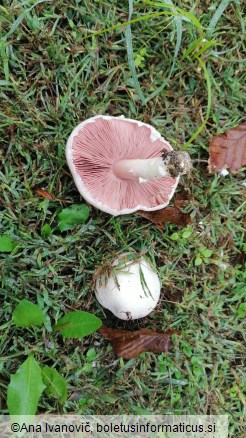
(121, 165)
(132, 289)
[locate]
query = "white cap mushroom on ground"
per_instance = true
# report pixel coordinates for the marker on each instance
(121, 165)
(132, 289)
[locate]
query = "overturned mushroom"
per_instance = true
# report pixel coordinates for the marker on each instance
(131, 291)
(122, 165)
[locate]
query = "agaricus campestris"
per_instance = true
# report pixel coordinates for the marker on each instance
(121, 165)
(132, 289)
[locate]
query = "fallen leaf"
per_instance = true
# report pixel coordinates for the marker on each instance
(181, 199)
(168, 214)
(128, 344)
(228, 150)
(44, 194)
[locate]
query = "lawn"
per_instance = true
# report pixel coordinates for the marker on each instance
(183, 71)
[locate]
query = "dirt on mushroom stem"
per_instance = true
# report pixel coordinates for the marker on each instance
(178, 163)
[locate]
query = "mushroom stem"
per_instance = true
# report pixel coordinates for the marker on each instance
(171, 163)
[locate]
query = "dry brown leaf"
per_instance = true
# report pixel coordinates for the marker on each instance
(44, 194)
(228, 150)
(181, 199)
(168, 214)
(128, 344)
(179, 203)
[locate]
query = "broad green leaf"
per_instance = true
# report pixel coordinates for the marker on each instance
(55, 384)
(70, 217)
(198, 261)
(27, 314)
(207, 253)
(7, 244)
(207, 260)
(87, 368)
(187, 233)
(174, 236)
(91, 354)
(46, 230)
(187, 349)
(25, 388)
(241, 311)
(77, 324)
(202, 249)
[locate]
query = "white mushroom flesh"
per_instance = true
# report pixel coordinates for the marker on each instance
(172, 163)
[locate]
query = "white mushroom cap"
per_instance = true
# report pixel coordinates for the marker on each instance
(131, 291)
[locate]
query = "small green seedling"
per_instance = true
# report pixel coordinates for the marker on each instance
(203, 256)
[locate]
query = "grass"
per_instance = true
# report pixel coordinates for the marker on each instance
(62, 63)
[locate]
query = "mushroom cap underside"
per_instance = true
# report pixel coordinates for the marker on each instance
(93, 148)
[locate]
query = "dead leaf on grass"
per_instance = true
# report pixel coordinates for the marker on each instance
(228, 150)
(44, 194)
(128, 344)
(179, 203)
(168, 214)
(181, 199)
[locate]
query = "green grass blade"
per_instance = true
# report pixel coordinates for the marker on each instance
(21, 17)
(178, 24)
(128, 35)
(209, 102)
(192, 46)
(209, 85)
(217, 15)
(4, 57)
(205, 46)
(180, 12)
